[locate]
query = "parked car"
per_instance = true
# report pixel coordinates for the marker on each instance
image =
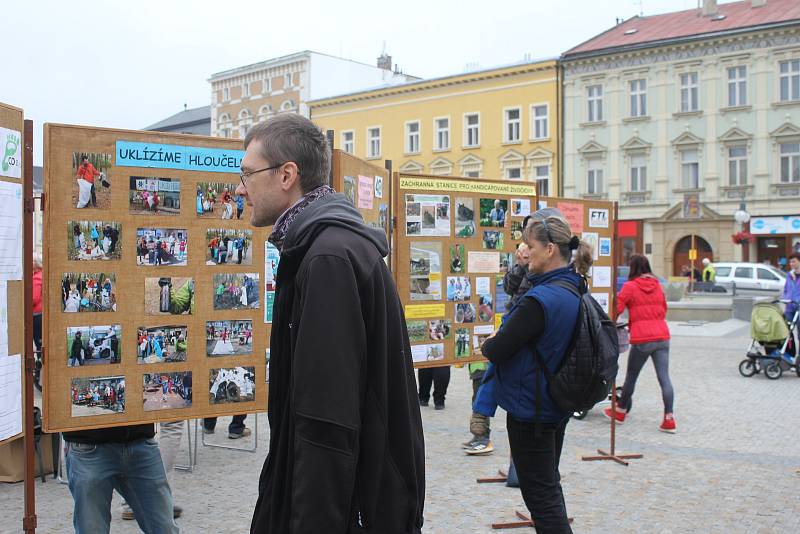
(756, 276)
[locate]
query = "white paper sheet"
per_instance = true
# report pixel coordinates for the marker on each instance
(3, 318)
(10, 396)
(601, 276)
(10, 231)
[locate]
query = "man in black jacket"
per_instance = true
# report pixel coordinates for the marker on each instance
(346, 446)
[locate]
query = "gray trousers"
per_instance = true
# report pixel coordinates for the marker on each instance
(637, 357)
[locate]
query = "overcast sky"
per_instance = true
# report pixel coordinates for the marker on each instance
(131, 64)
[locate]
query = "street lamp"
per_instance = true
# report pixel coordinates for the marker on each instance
(742, 217)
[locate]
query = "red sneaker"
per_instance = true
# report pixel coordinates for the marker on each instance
(668, 425)
(620, 415)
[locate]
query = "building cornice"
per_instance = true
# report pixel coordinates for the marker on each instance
(682, 50)
(437, 83)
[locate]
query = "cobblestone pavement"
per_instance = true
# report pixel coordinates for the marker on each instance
(732, 466)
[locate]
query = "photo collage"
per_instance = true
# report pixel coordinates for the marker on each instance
(459, 246)
(170, 255)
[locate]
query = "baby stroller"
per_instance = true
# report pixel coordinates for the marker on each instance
(773, 347)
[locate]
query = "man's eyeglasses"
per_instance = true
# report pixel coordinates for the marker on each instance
(243, 175)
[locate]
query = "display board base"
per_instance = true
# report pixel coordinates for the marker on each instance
(524, 521)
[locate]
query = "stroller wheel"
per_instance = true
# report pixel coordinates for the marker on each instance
(773, 371)
(747, 367)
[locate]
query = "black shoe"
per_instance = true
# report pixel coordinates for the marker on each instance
(423, 403)
(438, 406)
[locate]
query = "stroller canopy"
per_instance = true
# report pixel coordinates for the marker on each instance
(767, 323)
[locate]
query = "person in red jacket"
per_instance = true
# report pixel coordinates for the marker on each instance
(647, 308)
(87, 172)
(37, 315)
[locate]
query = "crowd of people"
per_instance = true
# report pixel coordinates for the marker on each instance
(88, 293)
(158, 346)
(101, 244)
(161, 250)
(232, 205)
(172, 384)
(236, 293)
(102, 394)
(226, 249)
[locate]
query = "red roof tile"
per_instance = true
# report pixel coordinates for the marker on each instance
(679, 24)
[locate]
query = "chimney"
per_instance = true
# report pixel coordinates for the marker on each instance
(758, 3)
(710, 8)
(385, 61)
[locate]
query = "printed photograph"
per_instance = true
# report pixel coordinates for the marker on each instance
(516, 230)
(227, 338)
(485, 309)
(272, 258)
(462, 343)
(439, 329)
(159, 344)
(93, 345)
(88, 292)
(493, 240)
(506, 261)
(102, 395)
(236, 291)
(229, 246)
(426, 271)
(427, 353)
(493, 212)
(520, 207)
(383, 216)
(416, 331)
(169, 296)
(235, 384)
(167, 391)
(92, 188)
(219, 199)
(458, 288)
(350, 189)
(155, 196)
(465, 217)
(94, 240)
(458, 259)
(501, 298)
(428, 215)
(162, 246)
(465, 313)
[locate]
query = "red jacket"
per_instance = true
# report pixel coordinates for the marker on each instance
(647, 308)
(88, 172)
(37, 292)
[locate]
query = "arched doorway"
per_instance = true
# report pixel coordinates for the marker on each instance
(680, 257)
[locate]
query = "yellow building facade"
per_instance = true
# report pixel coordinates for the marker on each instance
(496, 123)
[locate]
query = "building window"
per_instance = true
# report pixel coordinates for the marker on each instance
(594, 98)
(737, 86)
(542, 175)
(790, 162)
(226, 94)
(541, 121)
(374, 142)
(472, 130)
(442, 137)
(689, 92)
(412, 137)
(245, 90)
(638, 173)
(737, 165)
(594, 176)
(513, 173)
(349, 141)
(690, 169)
(266, 85)
(225, 132)
(638, 98)
(511, 120)
(287, 80)
(790, 80)
(441, 167)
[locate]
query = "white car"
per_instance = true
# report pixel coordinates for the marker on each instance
(750, 276)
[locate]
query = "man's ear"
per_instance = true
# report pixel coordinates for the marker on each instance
(290, 176)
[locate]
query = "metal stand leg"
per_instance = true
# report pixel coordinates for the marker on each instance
(192, 451)
(231, 447)
(61, 468)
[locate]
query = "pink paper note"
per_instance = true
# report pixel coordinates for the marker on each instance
(366, 192)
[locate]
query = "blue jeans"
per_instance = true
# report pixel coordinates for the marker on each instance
(135, 470)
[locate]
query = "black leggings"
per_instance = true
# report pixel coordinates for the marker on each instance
(536, 460)
(439, 377)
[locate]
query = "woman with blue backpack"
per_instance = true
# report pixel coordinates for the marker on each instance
(538, 329)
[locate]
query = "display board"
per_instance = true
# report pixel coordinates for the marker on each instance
(154, 303)
(455, 240)
(12, 294)
(366, 185)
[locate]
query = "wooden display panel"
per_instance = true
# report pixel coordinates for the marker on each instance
(349, 173)
(417, 288)
(418, 212)
(12, 118)
(62, 143)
